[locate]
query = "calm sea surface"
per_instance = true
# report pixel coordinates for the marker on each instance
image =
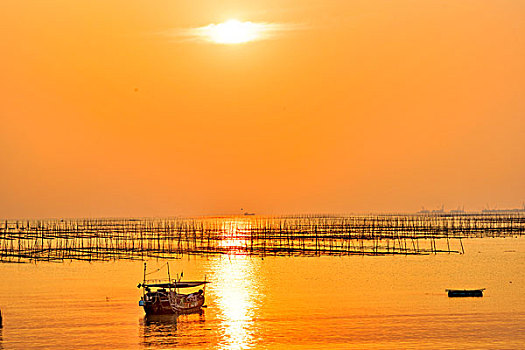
(350, 302)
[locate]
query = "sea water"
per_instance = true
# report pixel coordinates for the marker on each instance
(326, 302)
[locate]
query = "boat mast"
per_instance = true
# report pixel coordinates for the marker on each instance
(144, 280)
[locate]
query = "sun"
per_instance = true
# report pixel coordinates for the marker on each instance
(233, 32)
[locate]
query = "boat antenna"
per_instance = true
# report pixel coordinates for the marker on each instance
(169, 277)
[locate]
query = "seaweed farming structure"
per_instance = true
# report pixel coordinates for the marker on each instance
(111, 239)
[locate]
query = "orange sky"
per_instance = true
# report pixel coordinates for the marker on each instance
(366, 105)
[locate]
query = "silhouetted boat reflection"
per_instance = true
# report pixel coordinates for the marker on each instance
(165, 320)
(170, 330)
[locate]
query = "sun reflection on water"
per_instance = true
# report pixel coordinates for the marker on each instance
(236, 292)
(234, 234)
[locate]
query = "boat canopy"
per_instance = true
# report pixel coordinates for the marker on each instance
(174, 284)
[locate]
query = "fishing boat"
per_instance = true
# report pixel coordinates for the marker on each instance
(163, 297)
(462, 293)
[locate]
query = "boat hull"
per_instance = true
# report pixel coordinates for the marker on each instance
(172, 303)
(465, 293)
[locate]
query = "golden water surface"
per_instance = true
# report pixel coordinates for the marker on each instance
(350, 302)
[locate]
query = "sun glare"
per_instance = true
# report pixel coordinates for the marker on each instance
(233, 32)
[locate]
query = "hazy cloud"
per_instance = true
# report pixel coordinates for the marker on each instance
(233, 32)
